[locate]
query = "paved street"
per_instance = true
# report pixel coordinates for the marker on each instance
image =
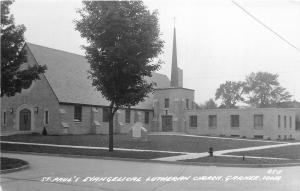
(47, 173)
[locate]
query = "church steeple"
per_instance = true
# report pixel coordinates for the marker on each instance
(174, 71)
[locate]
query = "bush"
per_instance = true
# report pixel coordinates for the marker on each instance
(10, 163)
(44, 131)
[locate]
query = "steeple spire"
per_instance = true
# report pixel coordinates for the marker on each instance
(174, 71)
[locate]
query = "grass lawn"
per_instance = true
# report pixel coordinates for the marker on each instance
(10, 163)
(155, 142)
(290, 152)
(85, 152)
(236, 160)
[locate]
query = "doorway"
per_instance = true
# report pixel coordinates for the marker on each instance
(25, 120)
(167, 123)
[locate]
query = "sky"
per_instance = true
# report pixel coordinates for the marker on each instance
(216, 40)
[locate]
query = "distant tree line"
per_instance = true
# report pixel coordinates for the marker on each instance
(260, 89)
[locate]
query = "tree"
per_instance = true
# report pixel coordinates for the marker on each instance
(123, 39)
(210, 104)
(264, 90)
(288, 104)
(14, 76)
(230, 93)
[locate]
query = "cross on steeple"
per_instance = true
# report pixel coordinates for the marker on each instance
(174, 18)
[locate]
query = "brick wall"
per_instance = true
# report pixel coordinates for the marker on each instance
(38, 96)
(177, 106)
(92, 120)
(270, 129)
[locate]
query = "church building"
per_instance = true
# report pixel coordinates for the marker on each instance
(64, 102)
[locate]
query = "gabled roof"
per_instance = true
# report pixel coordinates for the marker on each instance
(67, 74)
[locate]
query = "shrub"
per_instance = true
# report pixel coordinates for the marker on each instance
(44, 131)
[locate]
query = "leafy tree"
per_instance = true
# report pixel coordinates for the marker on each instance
(14, 76)
(230, 93)
(210, 104)
(264, 90)
(123, 39)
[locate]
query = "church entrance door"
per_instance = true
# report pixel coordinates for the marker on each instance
(25, 120)
(167, 123)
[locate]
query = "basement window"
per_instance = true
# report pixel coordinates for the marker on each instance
(258, 136)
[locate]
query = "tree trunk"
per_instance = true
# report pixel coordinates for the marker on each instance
(111, 132)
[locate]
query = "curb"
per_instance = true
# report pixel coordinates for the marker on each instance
(23, 167)
(160, 162)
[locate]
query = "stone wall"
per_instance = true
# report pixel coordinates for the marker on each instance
(177, 105)
(270, 129)
(38, 98)
(92, 120)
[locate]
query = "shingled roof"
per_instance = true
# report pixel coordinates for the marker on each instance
(67, 74)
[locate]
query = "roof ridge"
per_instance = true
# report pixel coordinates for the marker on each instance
(29, 43)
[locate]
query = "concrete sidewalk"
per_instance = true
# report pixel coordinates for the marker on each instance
(223, 153)
(255, 148)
